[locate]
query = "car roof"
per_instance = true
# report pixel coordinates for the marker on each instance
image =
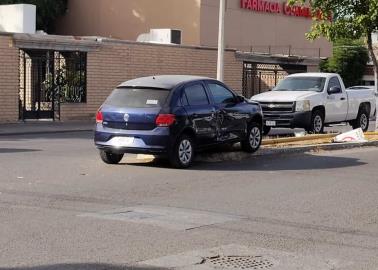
(314, 74)
(362, 87)
(161, 81)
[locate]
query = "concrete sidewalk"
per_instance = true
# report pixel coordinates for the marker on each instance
(43, 127)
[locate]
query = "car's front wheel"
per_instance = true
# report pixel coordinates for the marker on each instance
(317, 123)
(182, 153)
(253, 140)
(110, 158)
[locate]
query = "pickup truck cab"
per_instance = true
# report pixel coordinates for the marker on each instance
(313, 100)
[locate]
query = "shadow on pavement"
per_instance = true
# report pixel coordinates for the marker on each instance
(289, 162)
(85, 135)
(86, 266)
(17, 150)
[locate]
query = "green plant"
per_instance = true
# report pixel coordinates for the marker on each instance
(349, 60)
(351, 19)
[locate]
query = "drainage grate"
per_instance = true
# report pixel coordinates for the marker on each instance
(240, 262)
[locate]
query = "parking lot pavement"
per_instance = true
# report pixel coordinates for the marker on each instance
(62, 208)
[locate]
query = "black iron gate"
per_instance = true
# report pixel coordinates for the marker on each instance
(48, 78)
(35, 103)
(259, 78)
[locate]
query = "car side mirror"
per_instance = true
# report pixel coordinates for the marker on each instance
(240, 99)
(334, 90)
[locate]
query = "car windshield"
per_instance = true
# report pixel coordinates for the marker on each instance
(301, 84)
(137, 97)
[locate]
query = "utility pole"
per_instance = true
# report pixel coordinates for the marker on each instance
(376, 96)
(220, 65)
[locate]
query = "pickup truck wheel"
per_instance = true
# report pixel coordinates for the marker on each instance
(266, 130)
(317, 123)
(182, 153)
(110, 158)
(362, 120)
(253, 140)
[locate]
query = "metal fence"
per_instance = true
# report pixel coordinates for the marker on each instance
(49, 78)
(259, 78)
(282, 50)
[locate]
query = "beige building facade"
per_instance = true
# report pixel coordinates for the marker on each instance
(250, 25)
(68, 76)
(29, 62)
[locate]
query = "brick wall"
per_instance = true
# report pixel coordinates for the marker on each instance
(115, 63)
(9, 80)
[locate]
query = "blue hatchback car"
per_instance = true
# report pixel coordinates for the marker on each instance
(174, 116)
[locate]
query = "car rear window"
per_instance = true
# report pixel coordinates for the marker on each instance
(137, 97)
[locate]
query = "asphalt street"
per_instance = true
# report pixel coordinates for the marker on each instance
(56, 196)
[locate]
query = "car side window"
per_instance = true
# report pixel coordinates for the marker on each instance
(184, 100)
(221, 95)
(334, 81)
(195, 95)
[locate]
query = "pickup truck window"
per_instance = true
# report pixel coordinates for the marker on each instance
(334, 81)
(301, 84)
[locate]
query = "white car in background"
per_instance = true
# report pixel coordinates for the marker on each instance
(313, 100)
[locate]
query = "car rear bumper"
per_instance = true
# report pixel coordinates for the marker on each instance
(289, 120)
(154, 141)
(131, 150)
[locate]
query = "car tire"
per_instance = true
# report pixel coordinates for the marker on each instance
(362, 120)
(182, 154)
(317, 123)
(110, 158)
(253, 139)
(266, 130)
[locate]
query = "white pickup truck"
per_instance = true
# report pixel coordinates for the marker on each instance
(313, 100)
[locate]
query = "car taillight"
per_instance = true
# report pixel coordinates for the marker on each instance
(99, 117)
(165, 120)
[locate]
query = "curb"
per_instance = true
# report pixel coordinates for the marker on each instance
(264, 151)
(298, 139)
(43, 132)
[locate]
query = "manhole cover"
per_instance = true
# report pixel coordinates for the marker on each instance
(240, 262)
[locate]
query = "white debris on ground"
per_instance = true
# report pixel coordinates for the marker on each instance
(354, 136)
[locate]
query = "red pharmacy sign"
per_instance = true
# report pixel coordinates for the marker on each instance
(276, 8)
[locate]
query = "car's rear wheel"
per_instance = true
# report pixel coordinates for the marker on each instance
(182, 153)
(253, 140)
(362, 120)
(110, 158)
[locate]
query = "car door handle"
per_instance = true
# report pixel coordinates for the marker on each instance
(343, 98)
